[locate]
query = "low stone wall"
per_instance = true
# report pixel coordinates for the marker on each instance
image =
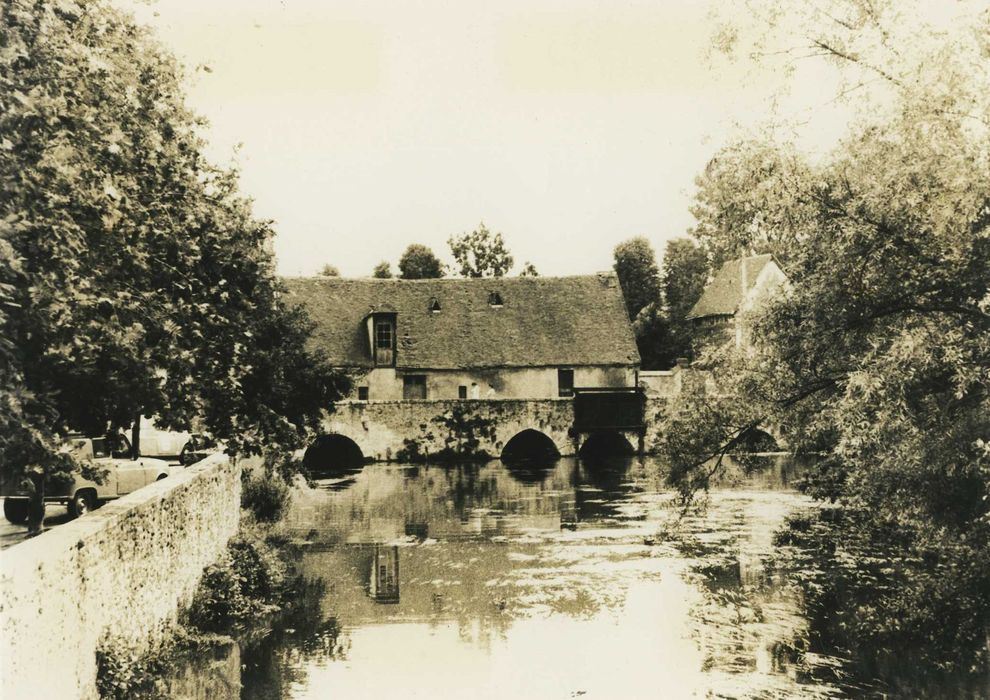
(123, 571)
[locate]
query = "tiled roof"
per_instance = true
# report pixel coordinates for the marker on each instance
(543, 321)
(724, 294)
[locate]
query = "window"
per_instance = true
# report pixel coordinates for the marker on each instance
(462, 392)
(494, 299)
(565, 382)
(362, 393)
(434, 305)
(414, 386)
(100, 449)
(383, 334)
(385, 342)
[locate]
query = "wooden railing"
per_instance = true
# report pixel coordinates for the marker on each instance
(608, 409)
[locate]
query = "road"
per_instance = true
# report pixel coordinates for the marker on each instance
(11, 534)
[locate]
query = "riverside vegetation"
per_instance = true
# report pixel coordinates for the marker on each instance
(878, 356)
(241, 596)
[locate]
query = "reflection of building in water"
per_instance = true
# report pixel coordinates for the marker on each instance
(393, 505)
(384, 586)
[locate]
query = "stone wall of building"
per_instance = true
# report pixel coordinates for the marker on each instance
(385, 383)
(123, 572)
(390, 430)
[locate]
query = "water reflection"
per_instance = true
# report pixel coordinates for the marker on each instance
(576, 578)
(383, 584)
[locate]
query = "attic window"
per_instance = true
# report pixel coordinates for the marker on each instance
(434, 305)
(494, 299)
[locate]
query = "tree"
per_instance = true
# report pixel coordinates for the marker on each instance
(748, 202)
(683, 275)
(329, 270)
(879, 357)
(636, 267)
(480, 254)
(136, 279)
(382, 271)
(529, 270)
(662, 332)
(419, 262)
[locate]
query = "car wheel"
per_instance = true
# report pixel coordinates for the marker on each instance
(16, 510)
(81, 503)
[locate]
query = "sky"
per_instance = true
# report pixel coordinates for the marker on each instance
(362, 126)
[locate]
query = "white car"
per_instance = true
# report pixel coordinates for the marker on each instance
(122, 475)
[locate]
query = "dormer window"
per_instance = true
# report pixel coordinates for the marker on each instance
(434, 305)
(381, 328)
(494, 299)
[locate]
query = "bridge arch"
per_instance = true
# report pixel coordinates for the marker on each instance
(530, 445)
(606, 443)
(333, 453)
(757, 440)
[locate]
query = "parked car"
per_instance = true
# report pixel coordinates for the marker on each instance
(198, 447)
(122, 476)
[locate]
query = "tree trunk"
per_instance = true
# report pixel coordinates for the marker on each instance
(36, 504)
(136, 437)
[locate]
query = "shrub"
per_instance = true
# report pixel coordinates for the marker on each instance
(267, 496)
(123, 674)
(245, 585)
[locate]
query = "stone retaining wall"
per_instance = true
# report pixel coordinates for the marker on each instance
(123, 571)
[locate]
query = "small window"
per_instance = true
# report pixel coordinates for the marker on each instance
(462, 392)
(434, 305)
(414, 386)
(565, 382)
(362, 393)
(495, 299)
(100, 449)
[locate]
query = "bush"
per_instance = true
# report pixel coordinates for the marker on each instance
(267, 497)
(123, 674)
(245, 585)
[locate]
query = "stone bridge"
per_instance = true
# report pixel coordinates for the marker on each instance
(423, 429)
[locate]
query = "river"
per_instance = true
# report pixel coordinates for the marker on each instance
(575, 580)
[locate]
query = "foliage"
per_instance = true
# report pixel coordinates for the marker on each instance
(652, 330)
(121, 674)
(899, 604)
(134, 278)
(265, 495)
(245, 585)
(682, 278)
(529, 270)
(480, 253)
(749, 199)
(879, 356)
(458, 437)
(662, 332)
(329, 270)
(639, 277)
(382, 271)
(419, 262)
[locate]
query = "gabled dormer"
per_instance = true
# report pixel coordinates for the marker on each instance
(381, 337)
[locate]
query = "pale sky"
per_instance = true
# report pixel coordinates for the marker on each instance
(566, 126)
